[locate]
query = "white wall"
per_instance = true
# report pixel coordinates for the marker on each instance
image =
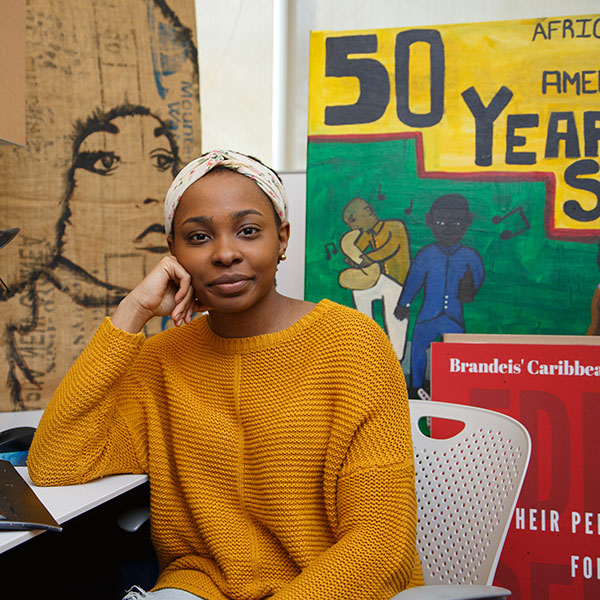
(290, 274)
(235, 53)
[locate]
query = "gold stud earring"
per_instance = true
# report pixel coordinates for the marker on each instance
(283, 256)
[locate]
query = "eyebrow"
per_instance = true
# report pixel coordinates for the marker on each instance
(161, 130)
(244, 213)
(199, 219)
(233, 216)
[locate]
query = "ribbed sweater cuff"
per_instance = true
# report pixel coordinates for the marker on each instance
(111, 348)
(109, 329)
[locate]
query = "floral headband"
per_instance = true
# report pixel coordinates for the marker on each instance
(266, 180)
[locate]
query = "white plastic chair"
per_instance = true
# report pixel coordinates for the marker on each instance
(467, 488)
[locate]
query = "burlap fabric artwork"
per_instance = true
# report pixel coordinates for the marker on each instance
(112, 114)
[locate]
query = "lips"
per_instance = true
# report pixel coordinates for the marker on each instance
(230, 284)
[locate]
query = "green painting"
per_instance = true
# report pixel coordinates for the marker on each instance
(519, 282)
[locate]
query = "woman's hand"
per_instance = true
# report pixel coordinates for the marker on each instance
(166, 290)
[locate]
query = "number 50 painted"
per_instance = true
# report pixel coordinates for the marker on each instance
(375, 82)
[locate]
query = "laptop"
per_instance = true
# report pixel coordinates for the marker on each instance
(20, 508)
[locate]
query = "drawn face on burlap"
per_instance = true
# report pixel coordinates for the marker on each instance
(107, 231)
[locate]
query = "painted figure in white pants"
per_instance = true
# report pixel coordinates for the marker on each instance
(378, 253)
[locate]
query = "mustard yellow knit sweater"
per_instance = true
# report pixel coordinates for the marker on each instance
(281, 465)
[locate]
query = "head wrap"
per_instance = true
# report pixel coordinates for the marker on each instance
(264, 177)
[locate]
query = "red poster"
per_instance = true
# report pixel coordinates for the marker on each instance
(552, 551)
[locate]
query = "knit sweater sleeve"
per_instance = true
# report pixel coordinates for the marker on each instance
(92, 426)
(372, 507)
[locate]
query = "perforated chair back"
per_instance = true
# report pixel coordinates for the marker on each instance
(467, 488)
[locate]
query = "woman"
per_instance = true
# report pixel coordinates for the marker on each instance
(275, 432)
(110, 150)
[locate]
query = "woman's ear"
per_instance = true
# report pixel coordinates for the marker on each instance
(171, 245)
(284, 236)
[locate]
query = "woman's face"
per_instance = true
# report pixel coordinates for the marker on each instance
(115, 229)
(225, 235)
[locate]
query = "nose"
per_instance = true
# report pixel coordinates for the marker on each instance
(225, 251)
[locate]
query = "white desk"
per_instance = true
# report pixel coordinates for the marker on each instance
(64, 502)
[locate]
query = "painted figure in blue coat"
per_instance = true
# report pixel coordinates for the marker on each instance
(450, 274)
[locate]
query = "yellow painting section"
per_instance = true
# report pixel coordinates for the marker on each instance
(485, 56)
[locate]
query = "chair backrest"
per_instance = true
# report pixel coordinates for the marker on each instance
(467, 488)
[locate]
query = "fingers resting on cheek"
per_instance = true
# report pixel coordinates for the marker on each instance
(187, 305)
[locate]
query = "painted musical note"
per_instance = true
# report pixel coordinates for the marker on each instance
(408, 210)
(507, 234)
(333, 250)
(380, 196)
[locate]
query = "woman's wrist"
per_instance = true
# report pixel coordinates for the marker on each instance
(129, 316)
